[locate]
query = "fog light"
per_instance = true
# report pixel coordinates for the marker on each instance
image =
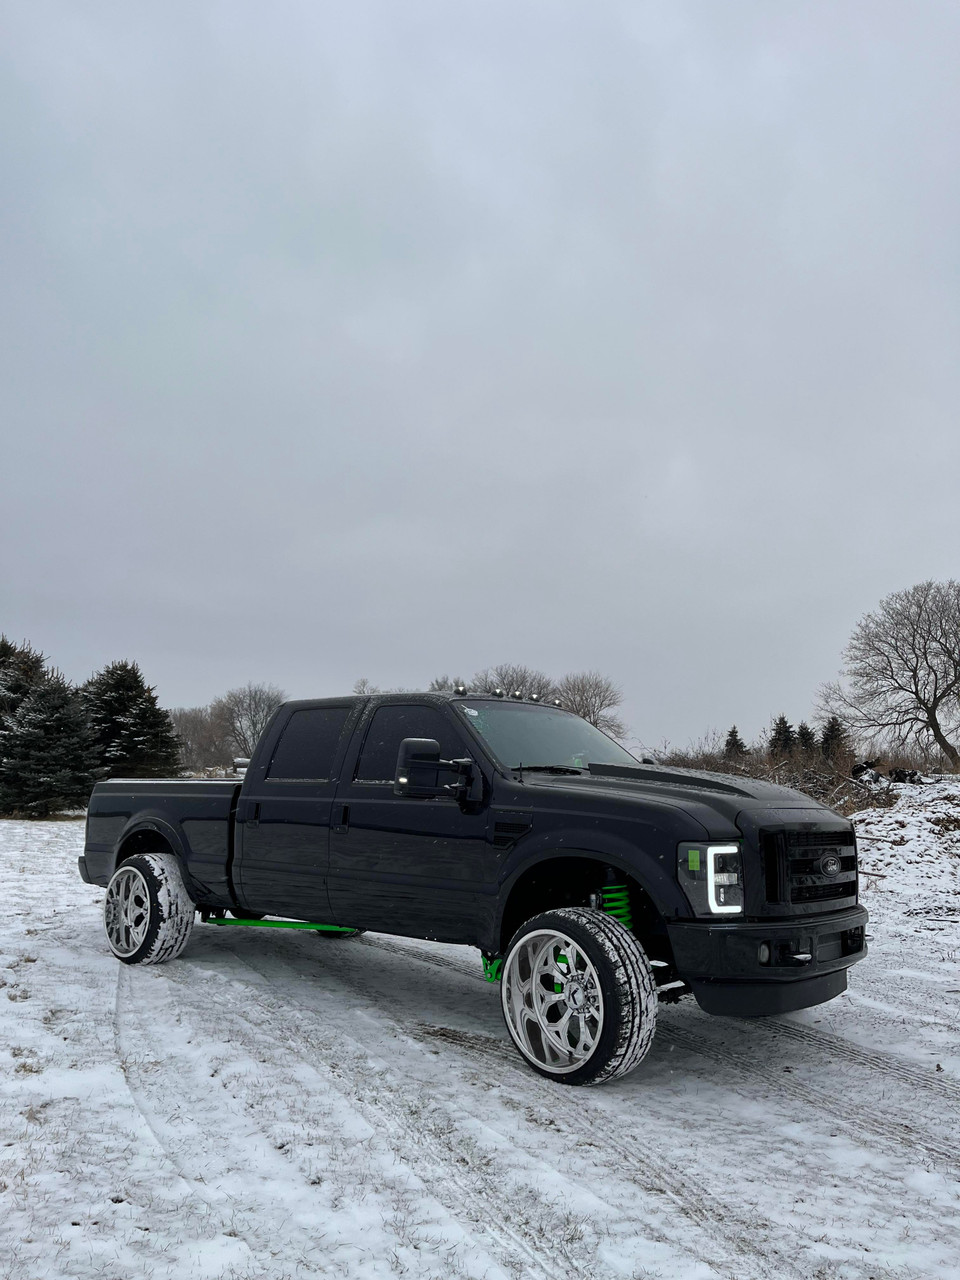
(764, 953)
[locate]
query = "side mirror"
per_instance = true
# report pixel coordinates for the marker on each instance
(421, 774)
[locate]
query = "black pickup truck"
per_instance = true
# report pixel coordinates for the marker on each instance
(595, 886)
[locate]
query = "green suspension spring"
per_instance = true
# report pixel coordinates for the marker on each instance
(615, 901)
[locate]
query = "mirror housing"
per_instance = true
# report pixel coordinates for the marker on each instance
(422, 775)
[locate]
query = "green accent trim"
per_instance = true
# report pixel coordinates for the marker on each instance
(492, 966)
(280, 924)
(693, 859)
(615, 901)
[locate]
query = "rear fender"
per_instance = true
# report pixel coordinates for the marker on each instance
(166, 833)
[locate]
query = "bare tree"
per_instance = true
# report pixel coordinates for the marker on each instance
(902, 676)
(596, 698)
(205, 741)
(511, 677)
(364, 687)
(245, 712)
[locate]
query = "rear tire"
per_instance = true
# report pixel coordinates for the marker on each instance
(147, 913)
(578, 996)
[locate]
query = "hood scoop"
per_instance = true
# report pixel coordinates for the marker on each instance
(702, 781)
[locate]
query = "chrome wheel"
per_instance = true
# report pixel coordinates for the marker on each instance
(552, 1001)
(126, 911)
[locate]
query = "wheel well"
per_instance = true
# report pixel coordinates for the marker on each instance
(143, 842)
(570, 882)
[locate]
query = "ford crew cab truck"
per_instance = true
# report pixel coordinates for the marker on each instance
(595, 886)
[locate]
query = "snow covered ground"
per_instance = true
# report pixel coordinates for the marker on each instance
(282, 1105)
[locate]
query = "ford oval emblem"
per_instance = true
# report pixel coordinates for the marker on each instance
(830, 865)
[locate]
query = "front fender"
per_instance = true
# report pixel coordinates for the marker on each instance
(653, 869)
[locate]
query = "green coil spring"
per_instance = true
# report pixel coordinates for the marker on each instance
(615, 901)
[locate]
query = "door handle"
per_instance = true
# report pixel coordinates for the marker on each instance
(253, 817)
(344, 824)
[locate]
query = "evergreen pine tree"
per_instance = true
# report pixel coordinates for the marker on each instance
(806, 738)
(833, 739)
(47, 755)
(783, 738)
(22, 668)
(734, 747)
(134, 737)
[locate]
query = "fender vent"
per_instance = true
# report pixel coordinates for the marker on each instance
(510, 829)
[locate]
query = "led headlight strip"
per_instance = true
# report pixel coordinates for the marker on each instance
(718, 881)
(712, 878)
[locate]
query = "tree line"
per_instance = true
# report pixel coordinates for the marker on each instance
(899, 691)
(57, 739)
(832, 741)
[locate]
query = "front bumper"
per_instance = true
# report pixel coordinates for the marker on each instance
(721, 961)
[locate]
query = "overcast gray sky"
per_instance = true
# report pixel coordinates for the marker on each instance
(392, 339)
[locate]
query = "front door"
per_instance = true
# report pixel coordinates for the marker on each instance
(283, 830)
(400, 865)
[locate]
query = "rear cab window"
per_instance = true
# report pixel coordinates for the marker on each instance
(307, 749)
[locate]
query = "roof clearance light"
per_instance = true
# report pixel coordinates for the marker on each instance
(557, 702)
(498, 693)
(534, 697)
(459, 688)
(518, 694)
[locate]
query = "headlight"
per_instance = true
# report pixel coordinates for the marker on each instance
(711, 875)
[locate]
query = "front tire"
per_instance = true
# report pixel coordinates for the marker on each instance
(147, 913)
(578, 996)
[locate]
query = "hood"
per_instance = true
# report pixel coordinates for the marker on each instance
(713, 799)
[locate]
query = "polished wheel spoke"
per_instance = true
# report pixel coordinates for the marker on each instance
(552, 1001)
(126, 911)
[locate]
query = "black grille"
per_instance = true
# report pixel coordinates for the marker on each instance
(820, 892)
(793, 866)
(819, 839)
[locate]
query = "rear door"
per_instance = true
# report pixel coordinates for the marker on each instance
(400, 865)
(283, 830)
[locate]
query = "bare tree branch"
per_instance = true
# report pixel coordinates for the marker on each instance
(245, 713)
(596, 698)
(902, 672)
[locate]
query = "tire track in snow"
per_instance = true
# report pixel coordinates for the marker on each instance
(536, 1247)
(720, 1220)
(852, 1119)
(131, 1037)
(943, 1087)
(224, 1153)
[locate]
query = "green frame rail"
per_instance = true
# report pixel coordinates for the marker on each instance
(278, 924)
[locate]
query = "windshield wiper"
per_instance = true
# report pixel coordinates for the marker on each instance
(547, 768)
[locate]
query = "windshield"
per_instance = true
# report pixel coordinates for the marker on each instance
(519, 733)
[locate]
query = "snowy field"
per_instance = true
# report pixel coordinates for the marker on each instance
(280, 1105)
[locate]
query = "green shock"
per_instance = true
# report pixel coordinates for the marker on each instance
(615, 901)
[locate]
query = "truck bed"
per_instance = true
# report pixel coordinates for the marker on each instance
(196, 816)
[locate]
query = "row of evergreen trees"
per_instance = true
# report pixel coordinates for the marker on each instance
(57, 739)
(785, 740)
